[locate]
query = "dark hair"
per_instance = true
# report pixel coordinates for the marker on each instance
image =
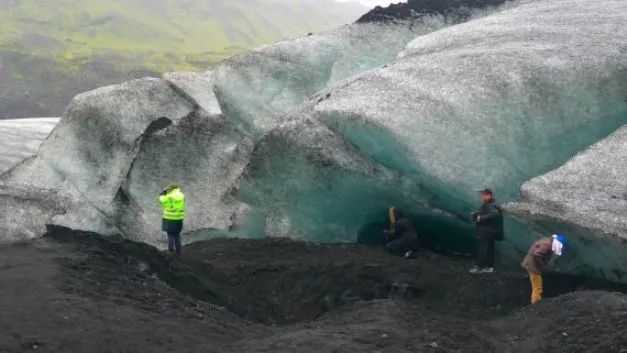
(486, 191)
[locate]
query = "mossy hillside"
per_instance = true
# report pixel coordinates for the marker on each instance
(162, 34)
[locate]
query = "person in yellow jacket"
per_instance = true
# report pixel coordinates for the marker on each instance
(172, 202)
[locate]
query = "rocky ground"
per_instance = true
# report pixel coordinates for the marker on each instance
(77, 292)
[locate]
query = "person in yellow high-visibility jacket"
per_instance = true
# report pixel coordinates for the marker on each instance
(172, 202)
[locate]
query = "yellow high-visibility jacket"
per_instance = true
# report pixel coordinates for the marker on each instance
(173, 205)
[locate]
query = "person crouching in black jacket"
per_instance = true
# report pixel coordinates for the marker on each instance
(401, 238)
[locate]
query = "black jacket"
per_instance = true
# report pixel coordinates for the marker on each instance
(405, 235)
(489, 221)
(404, 228)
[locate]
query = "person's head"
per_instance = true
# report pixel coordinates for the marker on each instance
(486, 195)
(171, 187)
(394, 214)
(560, 242)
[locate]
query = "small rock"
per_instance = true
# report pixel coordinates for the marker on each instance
(143, 267)
(434, 345)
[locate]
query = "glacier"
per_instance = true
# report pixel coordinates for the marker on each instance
(22, 138)
(118, 144)
(492, 102)
(314, 138)
(585, 198)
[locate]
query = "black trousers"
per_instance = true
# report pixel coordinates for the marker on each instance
(402, 245)
(485, 252)
(174, 243)
(173, 229)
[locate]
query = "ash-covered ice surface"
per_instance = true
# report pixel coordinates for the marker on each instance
(586, 196)
(117, 146)
(492, 102)
(314, 138)
(21, 139)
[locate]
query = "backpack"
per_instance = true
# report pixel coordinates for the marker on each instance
(500, 236)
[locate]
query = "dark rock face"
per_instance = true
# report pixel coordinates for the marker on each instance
(415, 8)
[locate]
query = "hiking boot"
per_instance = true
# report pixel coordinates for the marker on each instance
(475, 270)
(487, 270)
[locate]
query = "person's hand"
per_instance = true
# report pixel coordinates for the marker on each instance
(474, 216)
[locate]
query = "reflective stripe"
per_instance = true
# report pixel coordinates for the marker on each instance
(173, 205)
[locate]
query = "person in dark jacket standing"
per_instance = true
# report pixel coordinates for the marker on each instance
(172, 202)
(489, 228)
(539, 258)
(401, 238)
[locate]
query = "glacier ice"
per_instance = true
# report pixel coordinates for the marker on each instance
(258, 88)
(309, 183)
(314, 138)
(117, 146)
(21, 139)
(586, 198)
(492, 102)
(27, 211)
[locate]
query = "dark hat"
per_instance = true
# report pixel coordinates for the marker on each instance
(485, 191)
(171, 187)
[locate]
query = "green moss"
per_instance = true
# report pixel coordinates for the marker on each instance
(162, 34)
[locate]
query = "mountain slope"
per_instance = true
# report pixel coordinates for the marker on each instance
(51, 50)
